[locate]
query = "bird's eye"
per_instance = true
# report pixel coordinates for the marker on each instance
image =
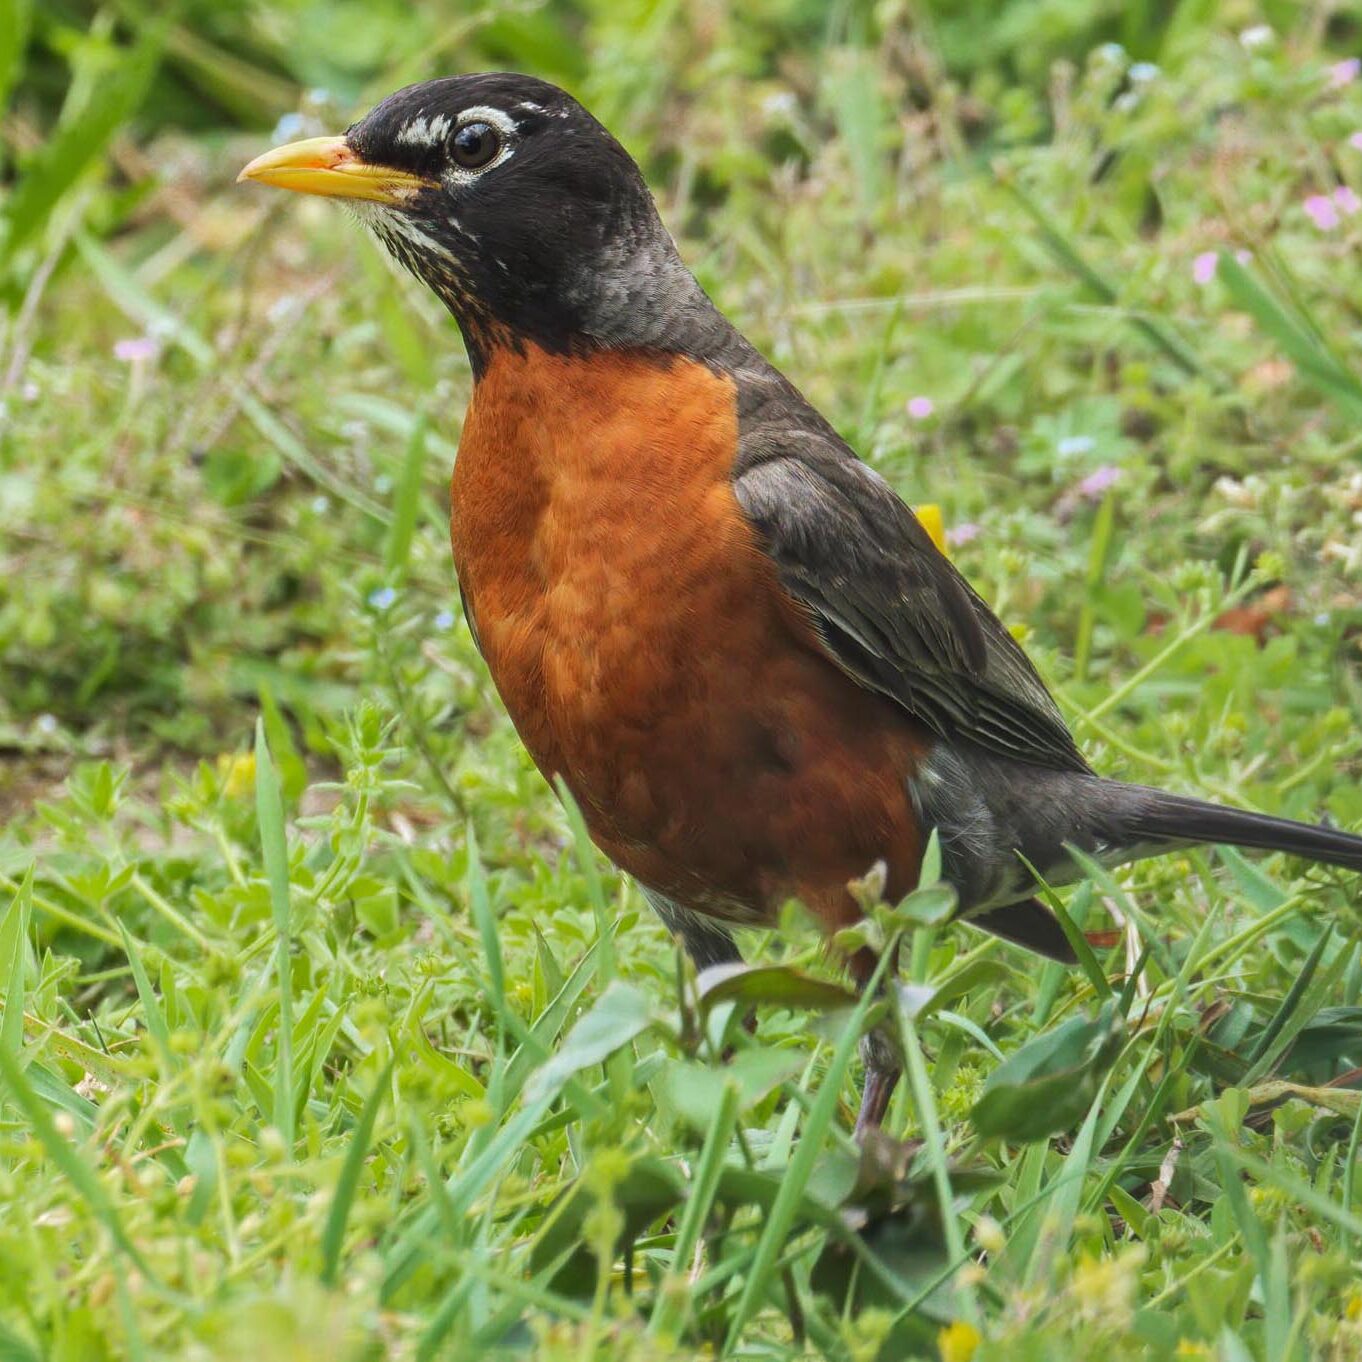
(474, 145)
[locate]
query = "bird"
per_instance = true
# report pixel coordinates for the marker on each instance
(724, 632)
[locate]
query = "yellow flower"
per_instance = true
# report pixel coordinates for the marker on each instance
(958, 1341)
(238, 774)
(929, 517)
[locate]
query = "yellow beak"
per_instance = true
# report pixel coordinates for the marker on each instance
(328, 165)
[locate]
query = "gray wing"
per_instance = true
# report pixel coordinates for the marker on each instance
(889, 608)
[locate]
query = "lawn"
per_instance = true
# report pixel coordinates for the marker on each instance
(324, 1032)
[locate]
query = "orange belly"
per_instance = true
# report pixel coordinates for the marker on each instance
(646, 652)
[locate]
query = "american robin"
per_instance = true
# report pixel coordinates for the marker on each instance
(728, 636)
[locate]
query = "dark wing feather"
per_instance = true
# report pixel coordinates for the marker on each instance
(468, 617)
(889, 607)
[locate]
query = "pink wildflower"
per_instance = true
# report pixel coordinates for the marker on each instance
(920, 408)
(1355, 141)
(1098, 481)
(1322, 211)
(1203, 267)
(966, 533)
(135, 349)
(1347, 201)
(1344, 72)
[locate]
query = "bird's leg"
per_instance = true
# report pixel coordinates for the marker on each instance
(882, 1070)
(879, 1055)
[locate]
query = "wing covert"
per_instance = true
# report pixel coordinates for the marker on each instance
(888, 606)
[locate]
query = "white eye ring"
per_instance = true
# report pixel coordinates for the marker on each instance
(496, 118)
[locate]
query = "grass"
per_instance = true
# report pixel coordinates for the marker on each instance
(325, 1033)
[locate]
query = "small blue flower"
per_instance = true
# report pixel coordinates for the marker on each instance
(444, 621)
(382, 598)
(1143, 70)
(1074, 444)
(288, 127)
(321, 505)
(383, 484)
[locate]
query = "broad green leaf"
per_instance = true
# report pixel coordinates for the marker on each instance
(772, 985)
(1051, 1081)
(618, 1015)
(695, 1090)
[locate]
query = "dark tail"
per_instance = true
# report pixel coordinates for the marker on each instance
(1158, 816)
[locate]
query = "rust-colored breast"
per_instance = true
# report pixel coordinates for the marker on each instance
(645, 651)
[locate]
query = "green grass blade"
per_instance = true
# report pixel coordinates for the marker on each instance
(13, 950)
(1310, 358)
(1067, 253)
(407, 506)
(78, 142)
(480, 907)
(1099, 557)
(775, 1232)
(16, 18)
(1058, 1210)
(13, 1348)
(920, 1086)
(72, 1166)
(1288, 1005)
(586, 862)
(347, 1185)
(269, 809)
(151, 1004)
(1288, 1022)
(669, 1311)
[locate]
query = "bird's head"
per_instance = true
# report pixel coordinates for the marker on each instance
(505, 196)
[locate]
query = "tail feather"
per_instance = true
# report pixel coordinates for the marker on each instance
(1159, 816)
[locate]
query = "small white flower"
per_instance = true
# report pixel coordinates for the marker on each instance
(1260, 35)
(779, 104)
(321, 505)
(283, 307)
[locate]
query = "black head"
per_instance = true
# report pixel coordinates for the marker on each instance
(515, 205)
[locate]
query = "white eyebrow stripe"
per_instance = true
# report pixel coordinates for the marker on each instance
(485, 113)
(423, 132)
